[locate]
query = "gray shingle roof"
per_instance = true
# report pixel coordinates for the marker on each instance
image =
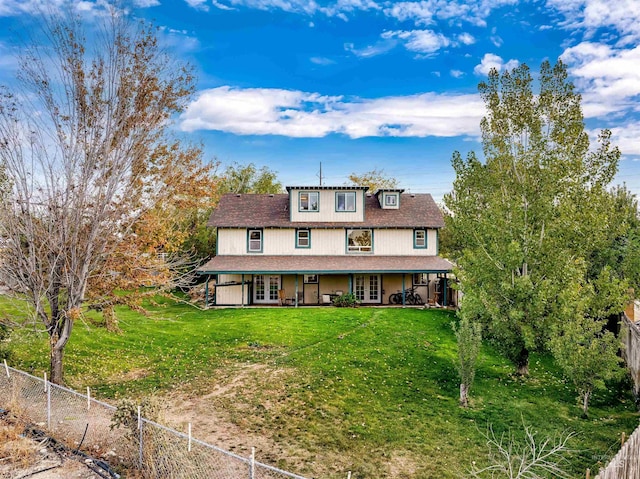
(262, 210)
(259, 264)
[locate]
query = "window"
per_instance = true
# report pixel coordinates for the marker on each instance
(359, 241)
(346, 201)
(420, 279)
(390, 199)
(419, 238)
(254, 241)
(308, 201)
(311, 279)
(303, 239)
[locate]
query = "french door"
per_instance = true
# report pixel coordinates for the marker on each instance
(265, 288)
(367, 288)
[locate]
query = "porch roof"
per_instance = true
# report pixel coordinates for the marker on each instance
(259, 264)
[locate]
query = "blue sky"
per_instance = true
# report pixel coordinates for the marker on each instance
(363, 84)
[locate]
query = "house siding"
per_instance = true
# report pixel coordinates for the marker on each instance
(330, 242)
(327, 211)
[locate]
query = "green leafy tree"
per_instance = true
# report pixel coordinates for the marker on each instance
(469, 336)
(519, 220)
(242, 179)
(584, 349)
(374, 179)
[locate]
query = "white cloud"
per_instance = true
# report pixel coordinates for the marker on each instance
(627, 138)
(590, 15)
(381, 47)
(608, 78)
(220, 6)
(490, 61)
(300, 114)
(425, 42)
(202, 5)
(427, 12)
(307, 7)
(466, 38)
(321, 61)
(457, 73)
(146, 3)
(31, 7)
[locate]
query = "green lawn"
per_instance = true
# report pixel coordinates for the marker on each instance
(369, 390)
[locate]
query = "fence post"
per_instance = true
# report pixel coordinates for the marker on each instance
(252, 463)
(88, 398)
(189, 446)
(349, 475)
(588, 473)
(6, 367)
(140, 434)
(47, 388)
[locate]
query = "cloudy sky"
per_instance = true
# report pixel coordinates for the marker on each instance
(363, 84)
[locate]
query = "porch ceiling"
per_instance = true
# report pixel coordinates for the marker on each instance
(259, 264)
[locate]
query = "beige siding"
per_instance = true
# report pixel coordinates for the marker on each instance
(397, 242)
(327, 211)
(232, 294)
(330, 242)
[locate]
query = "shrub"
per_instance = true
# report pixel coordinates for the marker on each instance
(347, 300)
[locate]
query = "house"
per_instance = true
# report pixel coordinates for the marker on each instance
(315, 242)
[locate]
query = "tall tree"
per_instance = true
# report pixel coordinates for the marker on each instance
(520, 220)
(469, 338)
(374, 179)
(241, 179)
(83, 140)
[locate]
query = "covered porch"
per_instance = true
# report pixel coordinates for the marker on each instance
(317, 280)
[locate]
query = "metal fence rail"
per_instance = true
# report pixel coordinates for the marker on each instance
(156, 450)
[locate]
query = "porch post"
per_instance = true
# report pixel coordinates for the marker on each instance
(351, 283)
(206, 292)
(242, 289)
(403, 290)
(444, 293)
(296, 290)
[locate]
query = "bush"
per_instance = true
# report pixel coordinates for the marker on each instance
(347, 300)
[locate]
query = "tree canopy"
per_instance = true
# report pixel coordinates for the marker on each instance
(374, 179)
(89, 163)
(525, 224)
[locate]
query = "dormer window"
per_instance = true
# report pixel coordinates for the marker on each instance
(309, 201)
(346, 201)
(391, 199)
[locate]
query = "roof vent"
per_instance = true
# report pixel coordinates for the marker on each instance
(237, 195)
(413, 195)
(270, 195)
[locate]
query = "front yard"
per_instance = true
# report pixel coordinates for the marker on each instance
(323, 391)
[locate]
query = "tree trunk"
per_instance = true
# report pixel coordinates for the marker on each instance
(464, 395)
(585, 403)
(522, 363)
(55, 362)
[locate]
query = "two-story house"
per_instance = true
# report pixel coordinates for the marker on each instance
(316, 242)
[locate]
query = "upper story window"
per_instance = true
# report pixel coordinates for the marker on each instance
(360, 241)
(254, 241)
(420, 279)
(391, 199)
(346, 201)
(308, 201)
(419, 238)
(303, 239)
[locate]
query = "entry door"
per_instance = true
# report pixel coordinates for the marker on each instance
(265, 288)
(367, 288)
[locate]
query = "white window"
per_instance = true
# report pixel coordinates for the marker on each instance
(359, 241)
(346, 201)
(308, 201)
(419, 238)
(390, 199)
(254, 241)
(303, 239)
(311, 279)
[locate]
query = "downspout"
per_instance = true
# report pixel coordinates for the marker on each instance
(242, 290)
(296, 303)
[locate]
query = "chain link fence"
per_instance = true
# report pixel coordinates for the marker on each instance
(85, 424)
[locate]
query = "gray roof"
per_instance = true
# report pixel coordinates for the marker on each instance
(272, 211)
(259, 264)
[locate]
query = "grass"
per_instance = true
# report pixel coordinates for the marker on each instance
(369, 390)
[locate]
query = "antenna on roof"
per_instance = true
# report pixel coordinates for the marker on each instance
(320, 174)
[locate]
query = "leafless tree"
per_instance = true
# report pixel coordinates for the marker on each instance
(82, 138)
